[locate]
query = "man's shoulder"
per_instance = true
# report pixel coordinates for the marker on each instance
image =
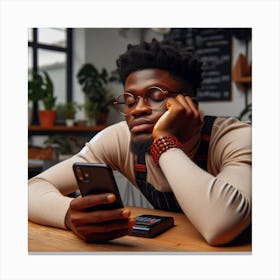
(121, 124)
(118, 131)
(230, 123)
(230, 129)
(117, 128)
(230, 143)
(214, 125)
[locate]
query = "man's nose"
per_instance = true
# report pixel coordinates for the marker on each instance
(141, 108)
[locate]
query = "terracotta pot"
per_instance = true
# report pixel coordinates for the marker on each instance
(47, 118)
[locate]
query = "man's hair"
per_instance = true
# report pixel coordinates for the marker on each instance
(180, 62)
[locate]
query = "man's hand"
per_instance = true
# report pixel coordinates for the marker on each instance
(182, 119)
(98, 225)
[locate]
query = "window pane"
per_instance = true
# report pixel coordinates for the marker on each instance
(55, 64)
(50, 57)
(30, 34)
(52, 36)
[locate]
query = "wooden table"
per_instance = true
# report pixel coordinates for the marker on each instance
(183, 237)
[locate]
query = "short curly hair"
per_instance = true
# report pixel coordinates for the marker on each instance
(180, 61)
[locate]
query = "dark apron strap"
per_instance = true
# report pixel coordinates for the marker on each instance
(202, 153)
(159, 200)
(140, 168)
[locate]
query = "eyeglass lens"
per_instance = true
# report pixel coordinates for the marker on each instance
(154, 98)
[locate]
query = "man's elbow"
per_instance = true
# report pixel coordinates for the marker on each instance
(230, 223)
(219, 237)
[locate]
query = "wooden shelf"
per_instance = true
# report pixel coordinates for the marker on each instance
(63, 128)
(244, 80)
(241, 73)
(88, 131)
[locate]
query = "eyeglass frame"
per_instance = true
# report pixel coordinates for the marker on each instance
(165, 93)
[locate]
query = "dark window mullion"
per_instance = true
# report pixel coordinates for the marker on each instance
(47, 47)
(35, 117)
(69, 65)
(35, 51)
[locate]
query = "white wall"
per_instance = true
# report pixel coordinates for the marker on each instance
(102, 46)
(79, 58)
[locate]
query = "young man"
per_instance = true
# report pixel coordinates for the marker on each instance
(158, 149)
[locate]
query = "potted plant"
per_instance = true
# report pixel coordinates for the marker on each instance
(40, 88)
(63, 145)
(71, 108)
(246, 113)
(35, 94)
(95, 86)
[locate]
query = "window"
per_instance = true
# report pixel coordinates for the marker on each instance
(50, 49)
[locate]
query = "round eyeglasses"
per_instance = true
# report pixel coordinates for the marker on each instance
(154, 98)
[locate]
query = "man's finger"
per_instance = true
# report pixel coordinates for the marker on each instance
(79, 218)
(194, 108)
(81, 203)
(107, 226)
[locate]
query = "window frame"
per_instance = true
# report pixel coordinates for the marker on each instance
(68, 50)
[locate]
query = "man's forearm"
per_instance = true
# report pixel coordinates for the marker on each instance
(217, 209)
(46, 204)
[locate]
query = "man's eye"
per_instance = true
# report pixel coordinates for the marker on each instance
(130, 101)
(129, 105)
(155, 95)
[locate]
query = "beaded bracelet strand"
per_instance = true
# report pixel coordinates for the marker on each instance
(162, 144)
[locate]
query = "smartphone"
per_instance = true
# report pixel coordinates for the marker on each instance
(151, 225)
(96, 178)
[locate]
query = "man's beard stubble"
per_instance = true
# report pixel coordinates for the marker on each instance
(141, 148)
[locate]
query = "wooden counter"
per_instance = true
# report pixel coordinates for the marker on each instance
(183, 237)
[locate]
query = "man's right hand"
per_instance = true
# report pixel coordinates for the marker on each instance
(98, 225)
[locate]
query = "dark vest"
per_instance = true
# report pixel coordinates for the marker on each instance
(166, 200)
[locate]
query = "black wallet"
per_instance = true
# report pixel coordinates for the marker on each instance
(151, 225)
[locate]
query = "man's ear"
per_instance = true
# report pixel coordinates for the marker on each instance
(195, 102)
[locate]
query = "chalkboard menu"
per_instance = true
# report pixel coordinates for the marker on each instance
(213, 46)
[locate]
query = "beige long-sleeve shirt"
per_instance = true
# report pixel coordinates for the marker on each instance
(217, 202)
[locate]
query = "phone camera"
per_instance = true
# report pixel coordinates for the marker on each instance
(80, 174)
(86, 175)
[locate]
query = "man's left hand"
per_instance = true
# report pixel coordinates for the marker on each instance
(182, 119)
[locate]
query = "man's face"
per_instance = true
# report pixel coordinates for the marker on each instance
(141, 118)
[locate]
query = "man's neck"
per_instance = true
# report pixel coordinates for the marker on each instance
(141, 148)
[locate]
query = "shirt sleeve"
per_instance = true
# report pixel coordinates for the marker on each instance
(47, 200)
(218, 203)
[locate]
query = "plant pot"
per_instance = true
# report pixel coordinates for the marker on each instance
(70, 122)
(47, 118)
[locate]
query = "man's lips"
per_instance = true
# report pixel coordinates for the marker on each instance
(142, 128)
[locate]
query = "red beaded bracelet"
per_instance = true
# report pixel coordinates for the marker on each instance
(162, 144)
